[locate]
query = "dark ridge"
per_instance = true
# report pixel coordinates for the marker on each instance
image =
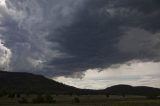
(30, 83)
(131, 90)
(20, 82)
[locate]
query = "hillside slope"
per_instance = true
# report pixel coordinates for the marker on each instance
(20, 82)
(130, 90)
(26, 82)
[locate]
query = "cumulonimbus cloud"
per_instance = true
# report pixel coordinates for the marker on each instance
(59, 37)
(5, 56)
(108, 32)
(25, 26)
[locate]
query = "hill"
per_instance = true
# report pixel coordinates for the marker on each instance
(30, 83)
(131, 90)
(20, 82)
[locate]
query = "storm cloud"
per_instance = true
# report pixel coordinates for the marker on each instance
(110, 32)
(63, 37)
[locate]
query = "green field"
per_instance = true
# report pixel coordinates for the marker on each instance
(85, 100)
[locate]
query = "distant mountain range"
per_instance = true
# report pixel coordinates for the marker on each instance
(20, 82)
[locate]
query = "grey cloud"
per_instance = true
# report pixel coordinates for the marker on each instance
(100, 26)
(5, 55)
(140, 43)
(139, 13)
(62, 37)
(26, 24)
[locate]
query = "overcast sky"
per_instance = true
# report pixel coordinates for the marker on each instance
(85, 43)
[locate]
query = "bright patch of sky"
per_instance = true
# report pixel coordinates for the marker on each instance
(134, 73)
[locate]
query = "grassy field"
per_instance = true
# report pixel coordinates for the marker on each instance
(86, 100)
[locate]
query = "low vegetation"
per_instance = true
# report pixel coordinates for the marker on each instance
(23, 101)
(76, 100)
(43, 99)
(152, 97)
(81, 100)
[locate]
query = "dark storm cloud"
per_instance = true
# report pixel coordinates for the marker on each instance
(146, 12)
(61, 37)
(96, 36)
(25, 25)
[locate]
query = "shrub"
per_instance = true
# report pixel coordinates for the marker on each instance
(41, 99)
(76, 100)
(38, 99)
(3, 93)
(18, 95)
(123, 95)
(23, 100)
(107, 95)
(152, 97)
(27, 94)
(49, 99)
(11, 95)
(71, 93)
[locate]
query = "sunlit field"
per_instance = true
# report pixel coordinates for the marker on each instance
(83, 100)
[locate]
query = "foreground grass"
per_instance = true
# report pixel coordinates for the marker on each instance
(87, 100)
